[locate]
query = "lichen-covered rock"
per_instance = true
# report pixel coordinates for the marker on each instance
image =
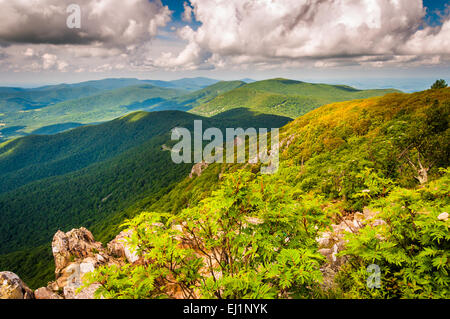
(12, 287)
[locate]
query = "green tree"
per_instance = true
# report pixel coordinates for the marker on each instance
(439, 84)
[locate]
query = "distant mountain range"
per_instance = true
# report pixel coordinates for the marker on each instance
(53, 109)
(189, 84)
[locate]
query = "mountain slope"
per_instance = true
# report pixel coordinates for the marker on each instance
(90, 176)
(336, 142)
(283, 97)
(189, 101)
(360, 183)
(188, 84)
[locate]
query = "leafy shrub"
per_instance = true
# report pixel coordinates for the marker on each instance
(411, 248)
(253, 238)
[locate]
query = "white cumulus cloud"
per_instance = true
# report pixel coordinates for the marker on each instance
(114, 22)
(298, 32)
(187, 14)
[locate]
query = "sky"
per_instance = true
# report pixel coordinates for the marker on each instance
(365, 43)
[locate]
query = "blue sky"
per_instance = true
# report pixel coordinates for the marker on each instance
(376, 43)
(434, 7)
(177, 6)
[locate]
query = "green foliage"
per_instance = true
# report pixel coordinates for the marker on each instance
(253, 238)
(376, 187)
(411, 247)
(353, 155)
(439, 84)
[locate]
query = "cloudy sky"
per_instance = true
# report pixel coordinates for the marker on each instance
(364, 41)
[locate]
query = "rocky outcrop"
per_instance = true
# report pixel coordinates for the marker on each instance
(76, 253)
(76, 244)
(119, 247)
(12, 287)
(332, 242)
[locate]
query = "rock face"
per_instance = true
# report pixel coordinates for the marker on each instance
(12, 287)
(76, 253)
(118, 247)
